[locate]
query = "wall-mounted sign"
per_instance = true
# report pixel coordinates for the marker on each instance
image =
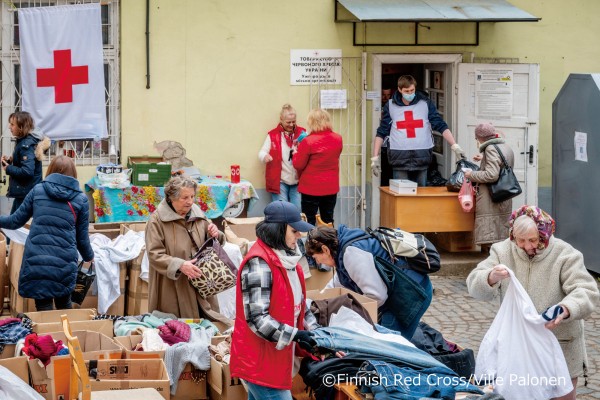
(316, 66)
(494, 93)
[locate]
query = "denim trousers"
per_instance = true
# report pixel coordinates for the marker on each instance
(350, 342)
(419, 176)
(62, 303)
(387, 381)
(257, 392)
(288, 193)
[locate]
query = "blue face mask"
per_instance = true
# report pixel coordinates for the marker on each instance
(408, 97)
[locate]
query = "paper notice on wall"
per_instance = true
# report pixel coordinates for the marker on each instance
(334, 99)
(315, 66)
(494, 93)
(581, 146)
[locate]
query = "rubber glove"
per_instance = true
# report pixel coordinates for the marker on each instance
(376, 165)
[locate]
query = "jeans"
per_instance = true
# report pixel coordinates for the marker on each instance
(288, 193)
(389, 319)
(15, 205)
(257, 392)
(350, 342)
(324, 204)
(388, 381)
(62, 303)
(419, 176)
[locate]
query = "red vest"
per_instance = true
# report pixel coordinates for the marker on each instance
(252, 357)
(273, 169)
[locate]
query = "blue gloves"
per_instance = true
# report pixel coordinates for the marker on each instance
(301, 137)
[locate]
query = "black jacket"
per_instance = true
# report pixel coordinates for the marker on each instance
(26, 170)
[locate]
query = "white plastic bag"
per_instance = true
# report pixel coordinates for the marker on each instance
(117, 180)
(522, 355)
(12, 387)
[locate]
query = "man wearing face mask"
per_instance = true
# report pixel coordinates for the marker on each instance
(408, 119)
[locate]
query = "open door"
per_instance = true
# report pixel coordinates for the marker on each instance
(506, 95)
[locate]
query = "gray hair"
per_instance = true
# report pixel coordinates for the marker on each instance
(523, 225)
(176, 183)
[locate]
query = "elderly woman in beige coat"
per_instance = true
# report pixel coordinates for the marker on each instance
(491, 219)
(551, 271)
(174, 234)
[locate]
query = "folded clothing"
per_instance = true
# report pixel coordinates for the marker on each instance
(174, 331)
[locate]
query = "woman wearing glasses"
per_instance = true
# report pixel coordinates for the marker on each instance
(352, 253)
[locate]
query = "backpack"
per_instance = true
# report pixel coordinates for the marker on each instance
(420, 253)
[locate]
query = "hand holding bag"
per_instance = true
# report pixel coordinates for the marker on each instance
(218, 271)
(457, 177)
(507, 186)
(83, 283)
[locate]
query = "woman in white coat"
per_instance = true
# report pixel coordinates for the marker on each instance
(551, 271)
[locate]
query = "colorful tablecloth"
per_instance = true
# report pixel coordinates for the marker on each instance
(136, 203)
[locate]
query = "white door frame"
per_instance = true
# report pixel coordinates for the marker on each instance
(378, 60)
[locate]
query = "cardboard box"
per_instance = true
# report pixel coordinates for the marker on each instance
(4, 279)
(18, 304)
(8, 351)
(116, 308)
(221, 385)
(18, 366)
(80, 320)
(132, 374)
(453, 241)
(369, 304)
(318, 279)
(108, 229)
(15, 257)
(403, 186)
(244, 227)
(53, 381)
(136, 302)
(192, 381)
(148, 171)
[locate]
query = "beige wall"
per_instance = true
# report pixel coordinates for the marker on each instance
(220, 69)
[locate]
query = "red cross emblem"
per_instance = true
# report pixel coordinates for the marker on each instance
(410, 124)
(63, 76)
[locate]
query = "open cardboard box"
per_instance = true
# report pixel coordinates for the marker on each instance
(53, 381)
(369, 304)
(18, 366)
(221, 385)
(80, 319)
(132, 374)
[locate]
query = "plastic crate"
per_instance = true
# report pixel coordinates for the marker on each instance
(146, 171)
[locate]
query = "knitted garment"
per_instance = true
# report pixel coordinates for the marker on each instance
(485, 132)
(151, 341)
(195, 351)
(174, 331)
(41, 347)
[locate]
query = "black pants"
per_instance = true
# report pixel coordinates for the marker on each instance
(62, 303)
(322, 204)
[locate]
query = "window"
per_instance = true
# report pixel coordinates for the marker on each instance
(86, 152)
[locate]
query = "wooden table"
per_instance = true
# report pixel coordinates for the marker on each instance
(346, 391)
(433, 209)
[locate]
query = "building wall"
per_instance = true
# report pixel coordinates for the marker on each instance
(219, 70)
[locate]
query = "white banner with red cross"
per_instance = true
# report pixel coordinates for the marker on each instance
(410, 128)
(62, 70)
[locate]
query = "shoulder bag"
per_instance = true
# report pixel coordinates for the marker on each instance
(507, 186)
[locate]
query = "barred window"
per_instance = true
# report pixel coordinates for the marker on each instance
(85, 152)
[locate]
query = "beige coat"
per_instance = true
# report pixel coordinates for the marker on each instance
(557, 275)
(169, 246)
(491, 219)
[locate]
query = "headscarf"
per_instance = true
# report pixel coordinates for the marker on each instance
(544, 222)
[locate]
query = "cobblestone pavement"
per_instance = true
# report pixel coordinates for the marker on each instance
(465, 320)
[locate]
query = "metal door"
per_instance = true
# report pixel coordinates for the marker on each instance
(350, 122)
(517, 116)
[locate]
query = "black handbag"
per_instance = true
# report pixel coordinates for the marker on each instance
(83, 282)
(507, 186)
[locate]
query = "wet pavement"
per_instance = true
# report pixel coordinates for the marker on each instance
(465, 321)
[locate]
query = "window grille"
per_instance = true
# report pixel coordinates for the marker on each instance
(85, 152)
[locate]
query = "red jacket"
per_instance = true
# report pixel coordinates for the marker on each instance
(318, 163)
(273, 168)
(252, 357)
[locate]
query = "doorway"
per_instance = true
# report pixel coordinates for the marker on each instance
(436, 77)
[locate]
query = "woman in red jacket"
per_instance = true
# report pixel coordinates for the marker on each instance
(317, 161)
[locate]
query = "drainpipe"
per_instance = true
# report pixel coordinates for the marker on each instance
(147, 44)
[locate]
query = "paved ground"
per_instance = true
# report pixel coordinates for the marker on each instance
(466, 320)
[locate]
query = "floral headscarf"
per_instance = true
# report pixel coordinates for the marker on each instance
(544, 222)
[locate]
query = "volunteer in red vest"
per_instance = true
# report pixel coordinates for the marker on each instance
(280, 176)
(271, 315)
(408, 119)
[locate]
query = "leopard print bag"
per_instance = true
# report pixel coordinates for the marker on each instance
(218, 271)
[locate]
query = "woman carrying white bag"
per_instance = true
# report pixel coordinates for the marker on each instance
(552, 273)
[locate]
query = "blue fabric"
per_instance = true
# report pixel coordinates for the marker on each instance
(49, 266)
(257, 392)
(288, 193)
(25, 171)
(407, 384)
(350, 342)
(13, 332)
(419, 176)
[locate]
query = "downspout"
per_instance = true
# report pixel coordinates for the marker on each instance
(147, 44)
